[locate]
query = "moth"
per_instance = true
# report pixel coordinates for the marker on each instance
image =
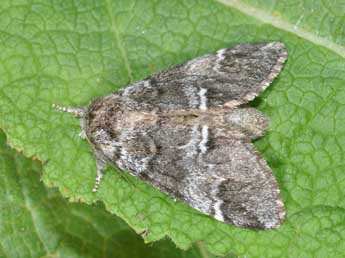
(188, 131)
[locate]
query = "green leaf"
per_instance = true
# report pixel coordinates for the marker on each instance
(321, 20)
(38, 222)
(70, 52)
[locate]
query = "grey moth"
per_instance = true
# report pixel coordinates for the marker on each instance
(188, 131)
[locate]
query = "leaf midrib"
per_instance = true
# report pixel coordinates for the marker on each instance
(284, 25)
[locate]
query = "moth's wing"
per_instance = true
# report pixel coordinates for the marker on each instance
(222, 177)
(248, 195)
(230, 76)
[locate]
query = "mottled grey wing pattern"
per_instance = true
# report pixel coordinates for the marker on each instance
(219, 176)
(230, 76)
(182, 131)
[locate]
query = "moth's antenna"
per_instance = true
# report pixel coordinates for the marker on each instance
(77, 112)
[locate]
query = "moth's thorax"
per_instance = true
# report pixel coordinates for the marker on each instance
(112, 116)
(102, 118)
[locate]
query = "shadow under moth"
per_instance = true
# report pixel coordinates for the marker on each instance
(188, 130)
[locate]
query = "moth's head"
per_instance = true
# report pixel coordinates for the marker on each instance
(100, 120)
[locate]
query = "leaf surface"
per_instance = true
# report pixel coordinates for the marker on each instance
(70, 52)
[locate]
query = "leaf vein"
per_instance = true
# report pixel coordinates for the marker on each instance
(284, 25)
(116, 35)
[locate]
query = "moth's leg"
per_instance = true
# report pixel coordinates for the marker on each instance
(82, 134)
(76, 111)
(100, 165)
